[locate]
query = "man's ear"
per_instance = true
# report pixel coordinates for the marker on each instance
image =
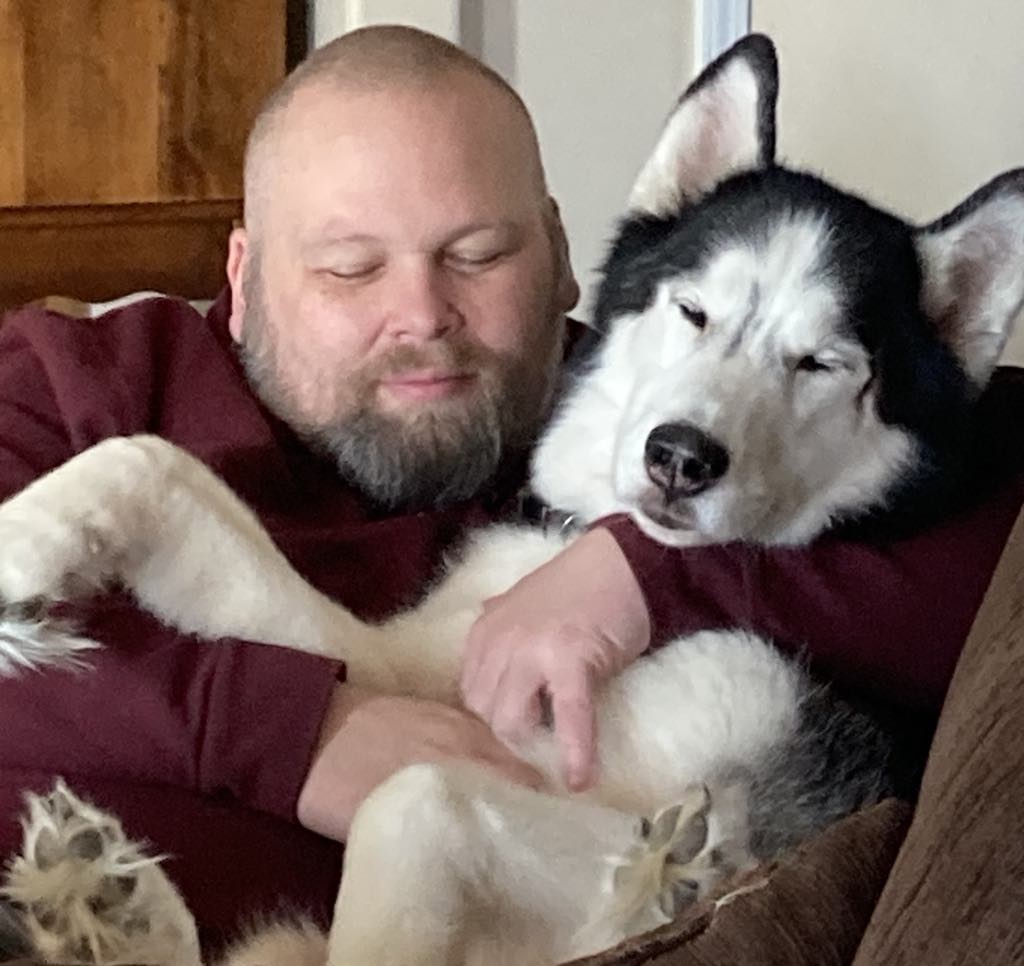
(237, 266)
(972, 264)
(567, 291)
(723, 124)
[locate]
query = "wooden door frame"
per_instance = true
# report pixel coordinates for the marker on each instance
(297, 36)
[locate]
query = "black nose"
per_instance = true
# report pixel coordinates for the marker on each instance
(683, 460)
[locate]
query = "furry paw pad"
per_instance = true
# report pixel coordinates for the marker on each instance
(88, 893)
(671, 862)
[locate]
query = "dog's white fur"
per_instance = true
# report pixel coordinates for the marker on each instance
(779, 489)
(165, 526)
(452, 864)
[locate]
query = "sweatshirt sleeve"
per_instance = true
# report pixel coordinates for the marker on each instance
(886, 619)
(223, 718)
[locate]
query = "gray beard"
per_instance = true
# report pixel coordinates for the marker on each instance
(441, 457)
(449, 460)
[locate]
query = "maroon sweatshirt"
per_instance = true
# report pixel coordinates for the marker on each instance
(202, 748)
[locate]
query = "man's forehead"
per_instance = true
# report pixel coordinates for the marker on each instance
(463, 108)
(350, 153)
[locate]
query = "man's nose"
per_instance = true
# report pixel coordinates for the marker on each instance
(422, 303)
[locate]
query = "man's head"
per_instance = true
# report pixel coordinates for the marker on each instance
(400, 284)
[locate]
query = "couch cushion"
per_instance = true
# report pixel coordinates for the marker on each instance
(956, 892)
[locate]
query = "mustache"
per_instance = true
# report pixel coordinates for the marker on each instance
(454, 356)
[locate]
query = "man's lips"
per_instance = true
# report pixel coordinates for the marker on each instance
(427, 384)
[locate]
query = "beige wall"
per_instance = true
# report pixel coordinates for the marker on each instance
(599, 78)
(913, 102)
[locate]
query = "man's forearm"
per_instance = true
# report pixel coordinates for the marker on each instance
(223, 717)
(889, 619)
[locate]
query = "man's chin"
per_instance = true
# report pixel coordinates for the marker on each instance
(414, 464)
(425, 418)
(406, 394)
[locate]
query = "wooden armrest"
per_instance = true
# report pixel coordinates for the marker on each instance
(98, 252)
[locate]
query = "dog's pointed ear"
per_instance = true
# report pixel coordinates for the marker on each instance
(723, 124)
(972, 264)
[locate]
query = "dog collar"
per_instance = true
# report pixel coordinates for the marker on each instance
(533, 510)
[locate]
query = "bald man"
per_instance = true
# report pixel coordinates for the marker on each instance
(370, 383)
(399, 293)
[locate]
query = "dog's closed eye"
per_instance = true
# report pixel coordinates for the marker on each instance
(813, 364)
(693, 314)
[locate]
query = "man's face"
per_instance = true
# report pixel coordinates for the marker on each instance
(400, 302)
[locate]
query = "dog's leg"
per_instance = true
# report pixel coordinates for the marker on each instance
(429, 867)
(90, 895)
(451, 864)
(284, 944)
(141, 512)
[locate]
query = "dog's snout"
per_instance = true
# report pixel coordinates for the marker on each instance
(682, 460)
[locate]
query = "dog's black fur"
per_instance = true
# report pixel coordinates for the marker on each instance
(872, 259)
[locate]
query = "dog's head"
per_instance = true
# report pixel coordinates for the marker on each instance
(775, 354)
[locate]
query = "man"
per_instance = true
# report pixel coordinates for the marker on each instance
(370, 385)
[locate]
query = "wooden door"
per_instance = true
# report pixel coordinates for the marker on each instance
(122, 128)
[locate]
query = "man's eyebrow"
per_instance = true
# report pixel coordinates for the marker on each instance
(324, 245)
(510, 229)
(334, 232)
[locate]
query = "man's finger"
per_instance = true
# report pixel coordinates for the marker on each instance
(482, 692)
(576, 729)
(475, 651)
(471, 660)
(516, 709)
(520, 772)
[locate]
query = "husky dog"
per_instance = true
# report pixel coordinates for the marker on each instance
(772, 357)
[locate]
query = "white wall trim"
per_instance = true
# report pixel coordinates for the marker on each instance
(718, 23)
(332, 18)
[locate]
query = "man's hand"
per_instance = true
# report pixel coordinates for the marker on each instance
(556, 635)
(366, 737)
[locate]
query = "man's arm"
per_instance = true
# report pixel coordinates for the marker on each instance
(261, 724)
(225, 719)
(155, 706)
(886, 619)
(558, 633)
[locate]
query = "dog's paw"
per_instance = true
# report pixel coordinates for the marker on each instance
(67, 535)
(46, 555)
(89, 894)
(674, 861)
(676, 838)
(69, 531)
(32, 637)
